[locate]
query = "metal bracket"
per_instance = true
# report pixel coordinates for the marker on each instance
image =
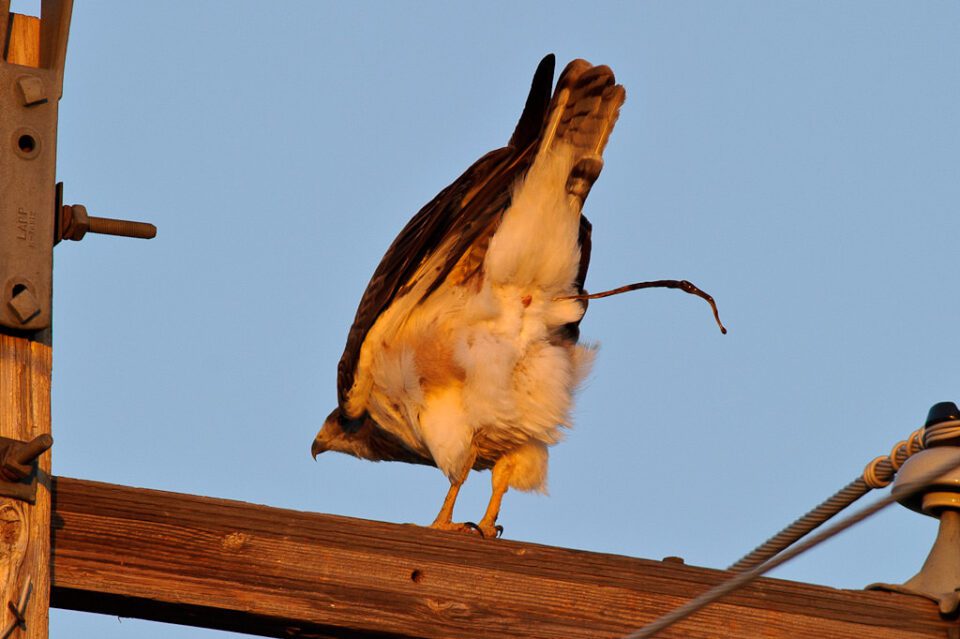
(32, 215)
(29, 100)
(19, 468)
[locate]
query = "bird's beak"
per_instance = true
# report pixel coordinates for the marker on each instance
(317, 447)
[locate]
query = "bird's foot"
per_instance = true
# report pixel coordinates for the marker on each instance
(489, 530)
(486, 531)
(461, 527)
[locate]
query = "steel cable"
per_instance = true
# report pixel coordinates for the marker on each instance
(877, 474)
(745, 577)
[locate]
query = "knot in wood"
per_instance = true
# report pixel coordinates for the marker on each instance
(234, 541)
(12, 538)
(449, 609)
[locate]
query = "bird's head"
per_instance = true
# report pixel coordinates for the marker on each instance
(335, 434)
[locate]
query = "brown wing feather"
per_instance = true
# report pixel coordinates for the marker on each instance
(466, 208)
(535, 110)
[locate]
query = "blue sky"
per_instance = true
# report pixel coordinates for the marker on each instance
(798, 160)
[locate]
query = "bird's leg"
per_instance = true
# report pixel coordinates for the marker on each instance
(445, 516)
(488, 525)
(444, 520)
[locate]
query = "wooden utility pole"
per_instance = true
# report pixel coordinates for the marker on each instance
(32, 219)
(25, 363)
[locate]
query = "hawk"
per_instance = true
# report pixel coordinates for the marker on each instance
(464, 350)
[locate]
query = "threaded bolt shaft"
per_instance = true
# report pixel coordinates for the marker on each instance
(125, 228)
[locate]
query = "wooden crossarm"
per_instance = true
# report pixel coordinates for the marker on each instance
(242, 567)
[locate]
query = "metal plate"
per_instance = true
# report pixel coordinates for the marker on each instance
(27, 174)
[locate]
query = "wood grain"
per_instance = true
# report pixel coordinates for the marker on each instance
(235, 566)
(23, 45)
(24, 528)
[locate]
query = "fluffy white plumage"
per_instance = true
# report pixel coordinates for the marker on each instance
(469, 365)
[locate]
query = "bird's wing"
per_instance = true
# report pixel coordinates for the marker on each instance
(464, 210)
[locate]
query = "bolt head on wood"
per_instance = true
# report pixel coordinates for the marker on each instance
(31, 90)
(24, 304)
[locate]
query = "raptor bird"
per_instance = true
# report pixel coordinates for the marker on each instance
(464, 350)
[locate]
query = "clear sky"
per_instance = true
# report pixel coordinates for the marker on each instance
(798, 160)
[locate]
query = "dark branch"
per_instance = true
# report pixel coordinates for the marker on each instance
(683, 285)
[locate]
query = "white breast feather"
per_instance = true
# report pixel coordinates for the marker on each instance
(514, 388)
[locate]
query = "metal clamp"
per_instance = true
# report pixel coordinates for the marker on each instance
(19, 468)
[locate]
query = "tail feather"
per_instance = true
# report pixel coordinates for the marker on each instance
(535, 109)
(586, 106)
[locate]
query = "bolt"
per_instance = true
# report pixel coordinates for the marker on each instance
(125, 228)
(17, 456)
(23, 303)
(27, 452)
(19, 609)
(76, 223)
(31, 88)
